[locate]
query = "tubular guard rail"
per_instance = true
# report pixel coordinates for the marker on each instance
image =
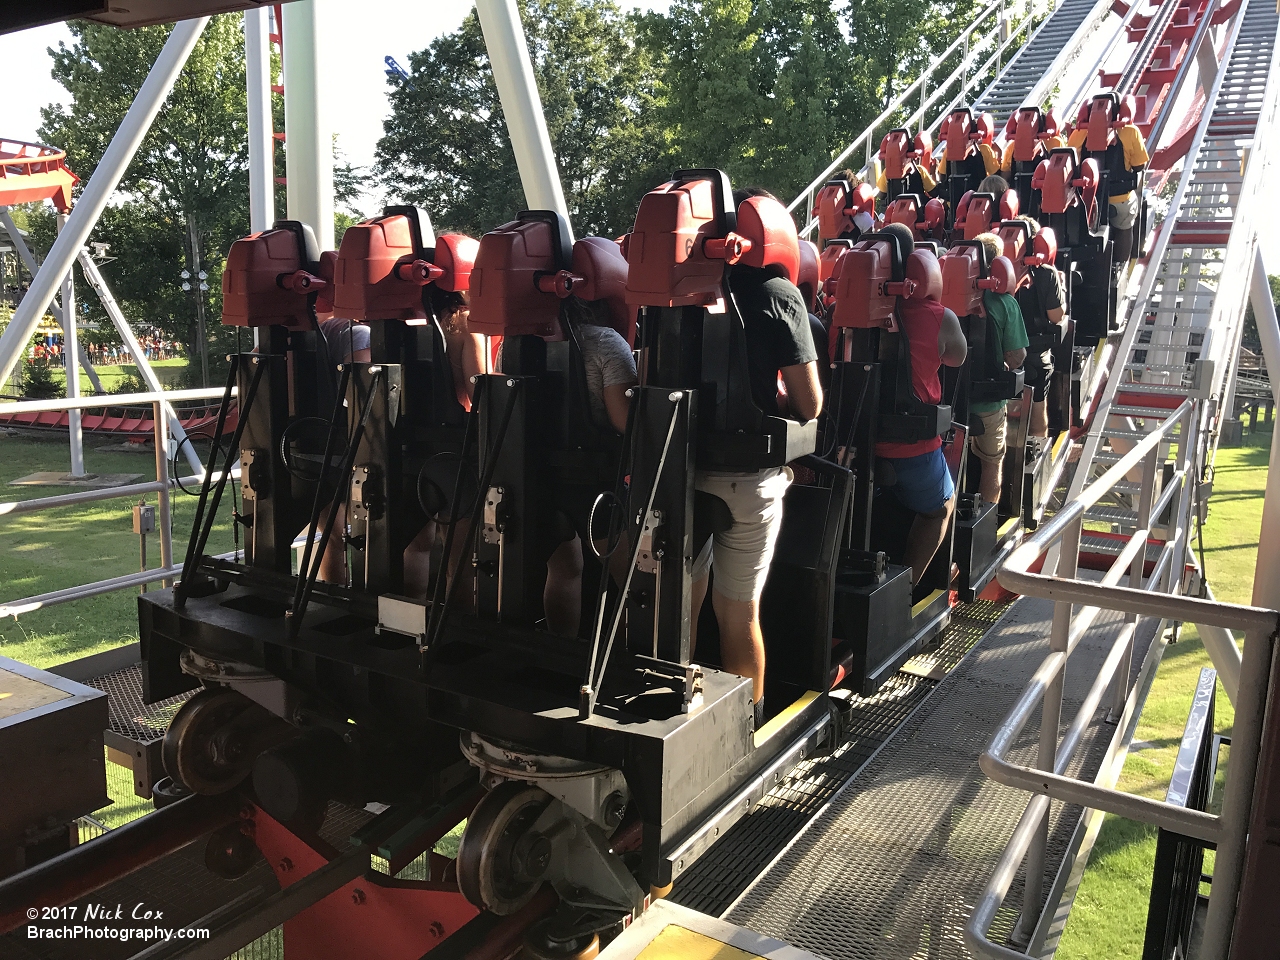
(161, 487)
(1158, 598)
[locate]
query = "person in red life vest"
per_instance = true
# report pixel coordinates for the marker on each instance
(924, 483)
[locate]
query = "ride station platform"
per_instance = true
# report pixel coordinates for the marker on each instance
(877, 849)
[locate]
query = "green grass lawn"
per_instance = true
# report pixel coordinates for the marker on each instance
(170, 373)
(1108, 921)
(51, 550)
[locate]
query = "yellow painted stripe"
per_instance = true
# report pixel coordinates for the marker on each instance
(1007, 526)
(919, 607)
(781, 720)
(680, 943)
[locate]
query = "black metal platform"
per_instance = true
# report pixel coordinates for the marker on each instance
(892, 865)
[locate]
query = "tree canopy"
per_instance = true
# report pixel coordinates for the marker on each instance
(768, 90)
(446, 145)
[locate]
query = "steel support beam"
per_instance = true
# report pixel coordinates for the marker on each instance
(109, 304)
(70, 362)
(308, 152)
(257, 60)
(115, 160)
(32, 267)
(521, 104)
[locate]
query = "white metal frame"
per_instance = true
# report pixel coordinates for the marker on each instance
(161, 486)
(1157, 598)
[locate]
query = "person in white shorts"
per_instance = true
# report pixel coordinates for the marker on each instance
(779, 342)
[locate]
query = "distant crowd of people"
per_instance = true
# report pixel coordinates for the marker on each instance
(49, 351)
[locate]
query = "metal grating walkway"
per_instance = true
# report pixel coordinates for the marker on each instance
(129, 716)
(720, 876)
(891, 866)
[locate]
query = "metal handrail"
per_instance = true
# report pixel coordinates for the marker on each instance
(1048, 779)
(111, 400)
(161, 486)
(963, 41)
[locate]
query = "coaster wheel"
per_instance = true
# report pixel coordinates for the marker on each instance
(200, 753)
(501, 858)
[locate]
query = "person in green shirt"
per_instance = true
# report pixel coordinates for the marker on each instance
(1011, 337)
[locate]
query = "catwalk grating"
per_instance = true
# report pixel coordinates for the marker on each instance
(129, 716)
(892, 865)
(722, 873)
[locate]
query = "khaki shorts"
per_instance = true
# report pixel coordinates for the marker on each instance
(740, 556)
(989, 447)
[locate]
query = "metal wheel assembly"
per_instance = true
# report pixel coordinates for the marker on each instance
(205, 746)
(502, 859)
(545, 941)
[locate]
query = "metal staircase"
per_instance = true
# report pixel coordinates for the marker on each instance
(1181, 339)
(1034, 72)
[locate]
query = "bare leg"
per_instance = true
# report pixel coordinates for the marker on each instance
(741, 642)
(925, 537)
(333, 566)
(698, 595)
(1040, 418)
(562, 595)
(989, 486)
(417, 561)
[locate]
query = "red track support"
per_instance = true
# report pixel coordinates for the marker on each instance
(374, 917)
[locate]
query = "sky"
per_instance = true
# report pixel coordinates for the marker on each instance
(356, 79)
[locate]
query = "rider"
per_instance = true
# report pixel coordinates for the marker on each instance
(924, 483)
(779, 342)
(1043, 305)
(1123, 159)
(1011, 343)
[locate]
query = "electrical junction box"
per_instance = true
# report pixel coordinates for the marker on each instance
(144, 518)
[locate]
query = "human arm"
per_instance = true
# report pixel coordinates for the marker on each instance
(1135, 147)
(952, 346)
(617, 375)
(803, 399)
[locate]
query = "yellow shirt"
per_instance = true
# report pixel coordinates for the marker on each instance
(1135, 149)
(990, 160)
(1050, 144)
(926, 178)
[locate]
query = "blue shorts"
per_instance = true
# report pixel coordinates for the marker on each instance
(924, 482)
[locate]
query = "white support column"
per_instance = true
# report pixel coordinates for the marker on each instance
(1255, 673)
(148, 375)
(1264, 312)
(32, 267)
(70, 362)
(137, 121)
(308, 150)
(257, 57)
(521, 104)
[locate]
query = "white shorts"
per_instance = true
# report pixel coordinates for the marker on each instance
(1124, 210)
(741, 555)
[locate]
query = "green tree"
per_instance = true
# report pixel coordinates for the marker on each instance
(446, 145)
(188, 180)
(758, 88)
(1250, 333)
